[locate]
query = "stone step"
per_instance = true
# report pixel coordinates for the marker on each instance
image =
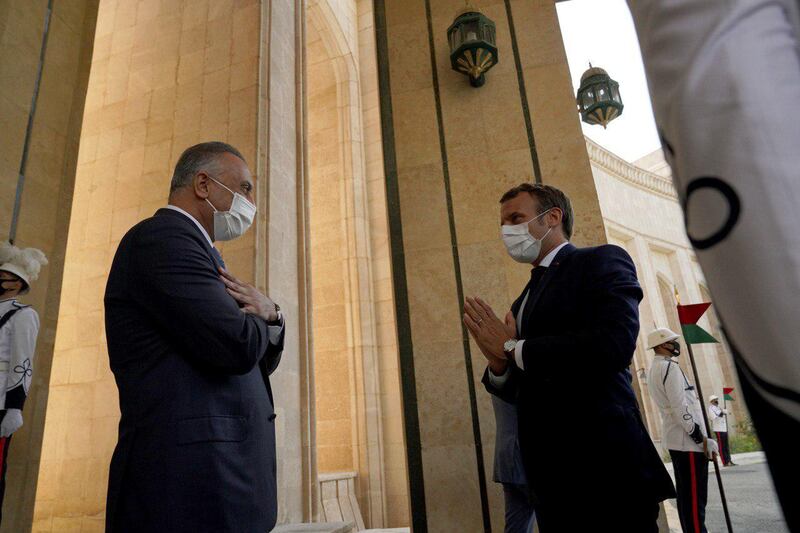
(320, 527)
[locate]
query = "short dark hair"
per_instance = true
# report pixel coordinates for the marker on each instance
(549, 197)
(196, 158)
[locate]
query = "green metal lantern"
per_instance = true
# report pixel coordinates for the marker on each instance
(599, 101)
(473, 49)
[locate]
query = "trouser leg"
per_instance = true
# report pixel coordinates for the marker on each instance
(679, 468)
(722, 440)
(519, 509)
(691, 480)
(701, 471)
(726, 445)
(4, 444)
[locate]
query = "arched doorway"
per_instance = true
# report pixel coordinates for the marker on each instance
(357, 388)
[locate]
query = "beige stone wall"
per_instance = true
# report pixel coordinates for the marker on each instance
(356, 373)
(487, 151)
(46, 199)
(166, 74)
(642, 214)
(333, 361)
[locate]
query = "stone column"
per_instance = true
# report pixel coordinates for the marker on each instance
(450, 151)
(47, 192)
(280, 258)
(166, 74)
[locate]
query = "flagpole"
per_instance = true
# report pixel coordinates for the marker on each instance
(708, 427)
(708, 432)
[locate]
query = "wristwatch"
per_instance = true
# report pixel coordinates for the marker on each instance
(278, 315)
(508, 348)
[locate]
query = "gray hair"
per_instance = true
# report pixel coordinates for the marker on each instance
(199, 157)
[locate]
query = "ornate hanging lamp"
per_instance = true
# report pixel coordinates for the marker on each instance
(473, 49)
(599, 101)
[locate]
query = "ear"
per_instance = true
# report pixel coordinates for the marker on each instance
(555, 216)
(200, 184)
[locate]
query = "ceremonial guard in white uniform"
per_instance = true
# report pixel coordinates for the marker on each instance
(683, 433)
(718, 418)
(19, 326)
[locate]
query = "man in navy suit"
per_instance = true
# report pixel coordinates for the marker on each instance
(579, 322)
(509, 471)
(192, 349)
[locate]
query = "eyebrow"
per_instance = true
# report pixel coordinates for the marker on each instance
(511, 216)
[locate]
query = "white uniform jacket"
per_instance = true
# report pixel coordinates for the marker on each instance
(717, 418)
(676, 398)
(17, 345)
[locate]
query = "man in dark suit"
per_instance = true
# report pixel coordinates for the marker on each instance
(192, 349)
(579, 322)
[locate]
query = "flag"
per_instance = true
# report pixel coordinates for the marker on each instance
(692, 333)
(726, 393)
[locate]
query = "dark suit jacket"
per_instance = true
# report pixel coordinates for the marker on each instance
(196, 448)
(581, 434)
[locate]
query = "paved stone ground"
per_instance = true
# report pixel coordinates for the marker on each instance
(752, 501)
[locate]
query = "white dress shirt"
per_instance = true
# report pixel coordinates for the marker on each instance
(274, 330)
(500, 380)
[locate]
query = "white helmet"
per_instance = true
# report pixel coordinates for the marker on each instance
(24, 263)
(660, 336)
(713, 397)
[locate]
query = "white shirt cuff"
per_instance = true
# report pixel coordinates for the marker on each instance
(276, 331)
(518, 355)
(499, 381)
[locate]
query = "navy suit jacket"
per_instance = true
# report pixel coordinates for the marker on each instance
(580, 430)
(196, 449)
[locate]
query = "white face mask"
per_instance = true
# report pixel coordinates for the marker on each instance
(234, 222)
(521, 245)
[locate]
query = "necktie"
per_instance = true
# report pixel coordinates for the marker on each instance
(218, 257)
(536, 276)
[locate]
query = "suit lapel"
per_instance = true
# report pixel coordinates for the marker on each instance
(562, 254)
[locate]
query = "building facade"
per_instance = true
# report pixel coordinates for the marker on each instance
(378, 172)
(642, 214)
